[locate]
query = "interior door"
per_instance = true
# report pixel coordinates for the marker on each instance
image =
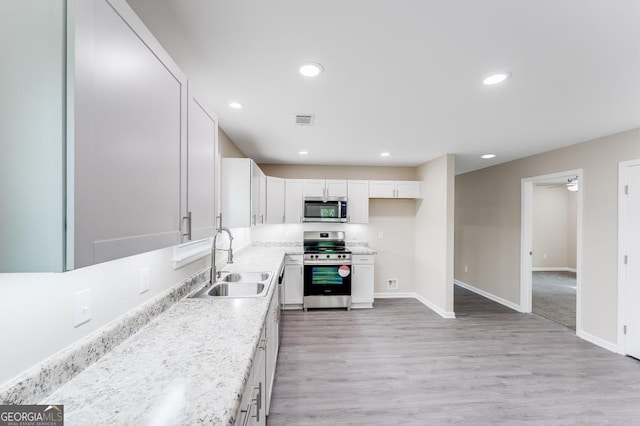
(632, 338)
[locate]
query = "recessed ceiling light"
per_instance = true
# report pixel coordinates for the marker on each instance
(496, 78)
(235, 105)
(488, 156)
(303, 152)
(385, 154)
(311, 69)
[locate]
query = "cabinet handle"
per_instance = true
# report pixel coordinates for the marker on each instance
(187, 227)
(219, 217)
(283, 219)
(262, 219)
(254, 219)
(258, 402)
(247, 415)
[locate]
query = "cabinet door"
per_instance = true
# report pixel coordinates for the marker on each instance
(235, 198)
(272, 328)
(407, 189)
(201, 167)
(381, 189)
(362, 284)
(358, 201)
(335, 188)
(293, 285)
(32, 143)
(293, 201)
(262, 198)
(275, 200)
(314, 188)
(127, 170)
(255, 193)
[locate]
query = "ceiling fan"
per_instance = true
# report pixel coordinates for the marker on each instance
(571, 184)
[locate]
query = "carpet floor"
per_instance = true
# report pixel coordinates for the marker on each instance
(554, 297)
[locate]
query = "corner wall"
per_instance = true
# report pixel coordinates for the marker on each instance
(434, 235)
(488, 225)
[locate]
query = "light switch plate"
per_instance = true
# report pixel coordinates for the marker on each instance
(82, 309)
(381, 235)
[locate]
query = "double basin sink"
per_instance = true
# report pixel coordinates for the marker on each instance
(236, 284)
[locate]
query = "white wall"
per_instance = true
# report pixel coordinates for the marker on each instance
(434, 234)
(36, 310)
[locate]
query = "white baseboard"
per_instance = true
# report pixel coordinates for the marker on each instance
(409, 295)
(598, 341)
(395, 295)
(554, 269)
(489, 296)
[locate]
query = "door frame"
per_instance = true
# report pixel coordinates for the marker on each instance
(623, 166)
(526, 240)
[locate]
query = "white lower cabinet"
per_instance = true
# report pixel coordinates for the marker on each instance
(256, 398)
(362, 280)
(272, 325)
(293, 282)
(252, 404)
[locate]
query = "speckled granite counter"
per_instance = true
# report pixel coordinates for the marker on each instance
(187, 366)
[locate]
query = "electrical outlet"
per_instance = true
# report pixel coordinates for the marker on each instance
(544, 256)
(144, 279)
(466, 268)
(381, 235)
(392, 284)
(354, 235)
(82, 307)
(288, 235)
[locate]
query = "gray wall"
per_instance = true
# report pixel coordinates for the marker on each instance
(487, 224)
(554, 227)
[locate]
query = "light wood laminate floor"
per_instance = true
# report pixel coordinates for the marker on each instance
(400, 363)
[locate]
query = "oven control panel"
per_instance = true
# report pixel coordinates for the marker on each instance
(327, 257)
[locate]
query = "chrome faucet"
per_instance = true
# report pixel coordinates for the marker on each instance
(214, 272)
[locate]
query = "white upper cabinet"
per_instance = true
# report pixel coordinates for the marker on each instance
(394, 189)
(275, 200)
(127, 146)
(408, 189)
(358, 201)
(293, 200)
(242, 182)
(336, 188)
(325, 188)
(202, 171)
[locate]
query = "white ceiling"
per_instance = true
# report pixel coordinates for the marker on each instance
(406, 76)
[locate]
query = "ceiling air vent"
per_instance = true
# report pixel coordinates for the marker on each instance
(304, 119)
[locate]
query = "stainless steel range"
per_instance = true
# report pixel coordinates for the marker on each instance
(327, 270)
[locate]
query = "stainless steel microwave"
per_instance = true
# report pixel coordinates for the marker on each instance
(317, 209)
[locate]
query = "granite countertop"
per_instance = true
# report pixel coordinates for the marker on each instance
(187, 366)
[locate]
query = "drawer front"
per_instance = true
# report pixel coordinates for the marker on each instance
(293, 259)
(361, 259)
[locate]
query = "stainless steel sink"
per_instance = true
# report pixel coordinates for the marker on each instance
(236, 289)
(246, 277)
(236, 284)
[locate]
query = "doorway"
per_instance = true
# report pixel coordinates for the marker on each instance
(551, 247)
(629, 255)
